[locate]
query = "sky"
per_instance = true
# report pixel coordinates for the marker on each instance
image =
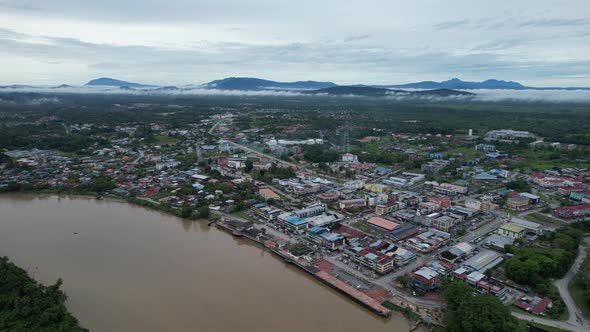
(177, 42)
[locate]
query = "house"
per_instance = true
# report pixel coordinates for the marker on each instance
(511, 230)
(268, 194)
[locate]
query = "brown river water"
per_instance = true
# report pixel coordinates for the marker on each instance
(127, 268)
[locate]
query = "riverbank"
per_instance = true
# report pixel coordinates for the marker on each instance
(30, 306)
(166, 273)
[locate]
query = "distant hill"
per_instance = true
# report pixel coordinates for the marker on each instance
(254, 84)
(368, 91)
(105, 81)
(456, 83)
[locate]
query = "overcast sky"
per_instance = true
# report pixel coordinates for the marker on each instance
(175, 42)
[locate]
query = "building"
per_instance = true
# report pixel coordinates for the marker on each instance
(581, 211)
(426, 279)
(352, 203)
(518, 203)
(265, 212)
(434, 166)
(506, 134)
(311, 211)
(444, 223)
(382, 209)
(498, 242)
(376, 187)
(382, 224)
(428, 241)
(350, 158)
(485, 148)
(529, 226)
(327, 197)
(483, 261)
(457, 251)
(354, 184)
(293, 223)
(267, 194)
(449, 189)
(372, 258)
(512, 231)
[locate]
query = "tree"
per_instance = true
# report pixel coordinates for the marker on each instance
(249, 166)
(187, 211)
(476, 313)
(519, 185)
(404, 280)
(204, 212)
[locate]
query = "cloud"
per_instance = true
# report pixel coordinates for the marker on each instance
(451, 24)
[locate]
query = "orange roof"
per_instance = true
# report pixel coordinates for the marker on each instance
(268, 193)
(383, 223)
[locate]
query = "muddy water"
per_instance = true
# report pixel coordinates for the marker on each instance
(126, 268)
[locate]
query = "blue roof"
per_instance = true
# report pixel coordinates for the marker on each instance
(485, 176)
(296, 221)
(260, 205)
(317, 230)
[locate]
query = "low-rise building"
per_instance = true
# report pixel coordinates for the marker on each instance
(511, 230)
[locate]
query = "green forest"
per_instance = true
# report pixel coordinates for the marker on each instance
(26, 305)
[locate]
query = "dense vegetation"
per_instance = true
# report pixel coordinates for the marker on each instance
(26, 305)
(551, 258)
(467, 311)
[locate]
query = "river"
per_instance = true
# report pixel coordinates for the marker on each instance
(127, 268)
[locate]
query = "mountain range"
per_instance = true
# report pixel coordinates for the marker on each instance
(256, 84)
(106, 81)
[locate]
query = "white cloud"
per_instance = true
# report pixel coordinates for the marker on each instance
(538, 42)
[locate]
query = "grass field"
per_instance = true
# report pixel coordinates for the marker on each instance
(536, 216)
(366, 228)
(163, 139)
(242, 214)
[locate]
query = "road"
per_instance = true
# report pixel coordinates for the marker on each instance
(141, 155)
(576, 321)
(576, 316)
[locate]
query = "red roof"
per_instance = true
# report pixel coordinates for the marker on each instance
(541, 306)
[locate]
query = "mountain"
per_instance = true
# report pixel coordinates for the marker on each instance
(368, 91)
(456, 83)
(254, 84)
(105, 81)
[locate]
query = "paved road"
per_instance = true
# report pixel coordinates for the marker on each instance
(576, 316)
(141, 154)
(385, 282)
(576, 321)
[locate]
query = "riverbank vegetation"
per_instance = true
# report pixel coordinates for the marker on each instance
(26, 305)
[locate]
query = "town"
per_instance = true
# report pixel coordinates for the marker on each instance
(385, 217)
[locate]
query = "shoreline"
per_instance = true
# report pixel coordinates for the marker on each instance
(379, 310)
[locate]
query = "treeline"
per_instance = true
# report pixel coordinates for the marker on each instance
(535, 266)
(466, 311)
(26, 305)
